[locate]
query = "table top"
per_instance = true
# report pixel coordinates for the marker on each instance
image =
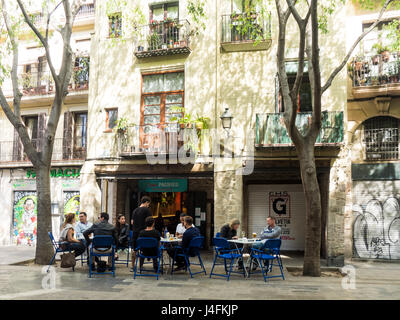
(244, 241)
(169, 240)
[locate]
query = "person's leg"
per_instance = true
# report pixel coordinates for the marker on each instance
(78, 248)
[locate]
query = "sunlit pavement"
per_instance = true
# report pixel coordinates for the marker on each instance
(372, 281)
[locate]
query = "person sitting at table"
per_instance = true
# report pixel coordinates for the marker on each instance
(150, 232)
(82, 225)
(190, 233)
(271, 231)
(101, 228)
(67, 236)
(229, 232)
(123, 234)
(180, 228)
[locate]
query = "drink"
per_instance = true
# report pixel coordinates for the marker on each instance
(254, 235)
(167, 235)
(243, 235)
(171, 237)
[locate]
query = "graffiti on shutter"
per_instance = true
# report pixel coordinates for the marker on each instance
(67, 137)
(376, 227)
(17, 147)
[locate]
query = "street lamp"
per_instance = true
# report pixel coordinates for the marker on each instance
(226, 120)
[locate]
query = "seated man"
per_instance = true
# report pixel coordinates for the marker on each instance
(190, 233)
(180, 228)
(271, 231)
(102, 228)
(80, 227)
(150, 232)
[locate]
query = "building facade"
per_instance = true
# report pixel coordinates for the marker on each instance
(17, 178)
(159, 85)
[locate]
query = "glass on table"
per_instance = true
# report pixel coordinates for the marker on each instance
(243, 235)
(254, 235)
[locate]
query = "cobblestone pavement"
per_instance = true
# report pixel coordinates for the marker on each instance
(372, 281)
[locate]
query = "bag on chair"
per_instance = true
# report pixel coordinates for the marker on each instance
(68, 260)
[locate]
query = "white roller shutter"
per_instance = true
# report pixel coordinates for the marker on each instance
(376, 219)
(290, 204)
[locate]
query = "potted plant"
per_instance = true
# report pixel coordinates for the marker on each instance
(384, 51)
(121, 126)
(202, 123)
(140, 48)
(154, 41)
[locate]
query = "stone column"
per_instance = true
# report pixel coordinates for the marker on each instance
(228, 197)
(90, 191)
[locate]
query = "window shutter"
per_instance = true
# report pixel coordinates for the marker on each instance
(277, 94)
(67, 136)
(17, 147)
(42, 119)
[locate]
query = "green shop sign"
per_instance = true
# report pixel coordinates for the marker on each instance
(58, 173)
(163, 185)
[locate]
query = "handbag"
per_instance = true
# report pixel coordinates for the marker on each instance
(68, 260)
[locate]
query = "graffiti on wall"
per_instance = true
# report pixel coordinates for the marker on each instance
(25, 217)
(376, 229)
(72, 202)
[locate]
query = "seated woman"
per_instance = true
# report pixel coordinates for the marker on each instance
(123, 234)
(67, 236)
(229, 232)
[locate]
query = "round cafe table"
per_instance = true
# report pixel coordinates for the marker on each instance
(245, 243)
(168, 243)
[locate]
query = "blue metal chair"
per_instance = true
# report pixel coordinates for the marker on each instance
(57, 249)
(100, 242)
(218, 235)
(194, 247)
(224, 251)
(147, 243)
(266, 257)
(126, 261)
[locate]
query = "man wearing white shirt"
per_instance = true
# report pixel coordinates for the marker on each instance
(180, 228)
(82, 226)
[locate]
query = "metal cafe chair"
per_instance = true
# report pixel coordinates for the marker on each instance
(194, 247)
(266, 256)
(224, 251)
(141, 245)
(126, 261)
(102, 242)
(58, 249)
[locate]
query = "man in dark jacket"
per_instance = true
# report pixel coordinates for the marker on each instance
(190, 233)
(101, 228)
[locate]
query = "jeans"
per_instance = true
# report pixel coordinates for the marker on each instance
(77, 247)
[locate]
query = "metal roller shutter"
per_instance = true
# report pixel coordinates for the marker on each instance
(287, 204)
(376, 214)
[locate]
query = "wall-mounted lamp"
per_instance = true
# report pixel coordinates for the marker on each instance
(226, 120)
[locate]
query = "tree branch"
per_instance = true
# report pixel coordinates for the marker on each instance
(346, 59)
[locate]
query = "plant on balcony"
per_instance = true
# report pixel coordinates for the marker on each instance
(202, 122)
(382, 50)
(154, 41)
(121, 126)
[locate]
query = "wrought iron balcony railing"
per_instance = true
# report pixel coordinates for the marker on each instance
(86, 10)
(271, 130)
(375, 70)
(41, 83)
(12, 151)
(245, 27)
(163, 38)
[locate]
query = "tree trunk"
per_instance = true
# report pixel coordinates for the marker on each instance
(312, 194)
(44, 249)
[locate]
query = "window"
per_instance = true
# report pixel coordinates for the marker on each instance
(115, 25)
(381, 138)
(81, 70)
(111, 119)
(377, 36)
(80, 130)
(80, 135)
(164, 11)
(162, 101)
(304, 99)
(31, 124)
(241, 6)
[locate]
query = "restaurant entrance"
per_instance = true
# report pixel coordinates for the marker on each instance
(169, 198)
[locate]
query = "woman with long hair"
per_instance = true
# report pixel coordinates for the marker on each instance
(67, 236)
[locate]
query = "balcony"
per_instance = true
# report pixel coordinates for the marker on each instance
(246, 32)
(86, 10)
(41, 83)
(271, 130)
(12, 152)
(163, 38)
(139, 140)
(375, 76)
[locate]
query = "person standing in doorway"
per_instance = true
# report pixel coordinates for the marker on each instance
(139, 216)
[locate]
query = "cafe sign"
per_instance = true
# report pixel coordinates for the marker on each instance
(163, 185)
(57, 173)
